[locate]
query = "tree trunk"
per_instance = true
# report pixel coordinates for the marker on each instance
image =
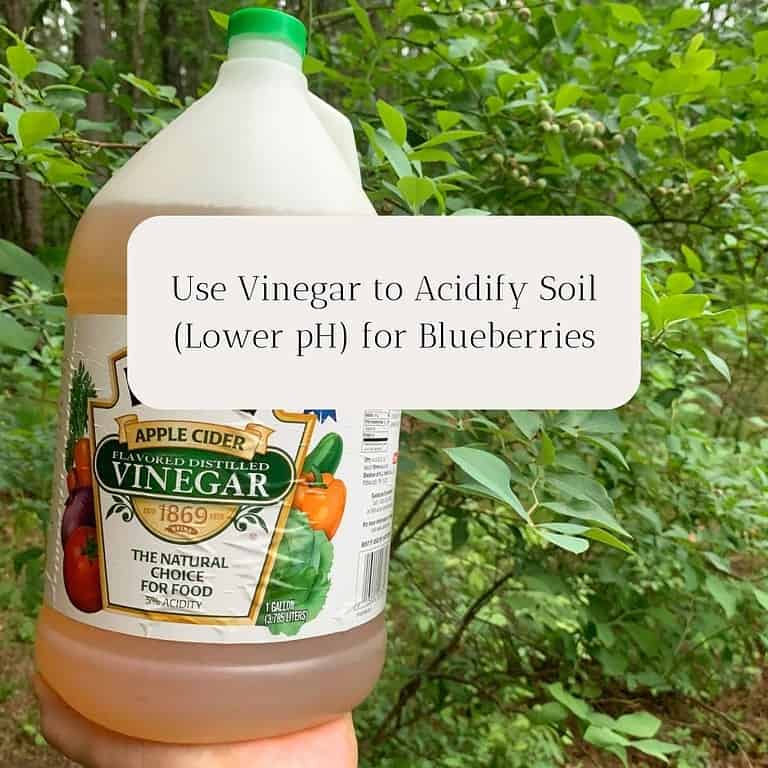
(138, 39)
(23, 219)
(14, 15)
(89, 46)
(31, 204)
(167, 22)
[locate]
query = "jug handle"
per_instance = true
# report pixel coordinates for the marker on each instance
(340, 130)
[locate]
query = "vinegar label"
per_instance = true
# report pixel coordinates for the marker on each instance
(252, 525)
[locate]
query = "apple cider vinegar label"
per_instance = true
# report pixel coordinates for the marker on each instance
(252, 525)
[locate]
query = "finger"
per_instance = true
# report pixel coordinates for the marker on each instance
(60, 725)
(332, 745)
(80, 739)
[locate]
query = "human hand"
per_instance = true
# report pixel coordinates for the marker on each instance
(332, 745)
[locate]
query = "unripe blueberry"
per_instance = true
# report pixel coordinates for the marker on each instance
(588, 130)
(512, 162)
(525, 14)
(601, 166)
(547, 111)
(525, 181)
(465, 18)
(685, 189)
(618, 140)
(600, 128)
(491, 17)
(576, 127)
(677, 199)
(555, 128)
(720, 168)
(518, 4)
(497, 158)
(663, 191)
(585, 118)
(477, 20)
(541, 183)
(515, 173)
(524, 168)
(545, 126)
(597, 144)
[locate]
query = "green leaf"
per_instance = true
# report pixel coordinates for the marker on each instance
(650, 133)
(683, 17)
(571, 544)
(568, 95)
(672, 81)
(219, 19)
(15, 261)
(610, 449)
(395, 155)
(655, 748)
(585, 511)
(416, 190)
(447, 136)
(51, 69)
(578, 707)
(312, 65)
(490, 472)
(551, 712)
(641, 725)
(692, 260)
(626, 13)
(37, 126)
(681, 306)
(547, 452)
(761, 596)
(604, 737)
(21, 61)
(756, 166)
(598, 534)
(528, 422)
(718, 364)
(709, 128)
(361, 16)
(580, 487)
(446, 119)
(432, 156)
(760, 41)
(393, 121)
(15, 335)
(723, 594)
(679, 282)
(737, 76)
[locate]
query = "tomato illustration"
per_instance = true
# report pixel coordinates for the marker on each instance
(81, 569)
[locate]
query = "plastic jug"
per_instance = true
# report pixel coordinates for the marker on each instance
(214, 576)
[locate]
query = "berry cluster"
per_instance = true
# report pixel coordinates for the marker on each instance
(520, 172)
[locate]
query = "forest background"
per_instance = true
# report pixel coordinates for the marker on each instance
(567, 588)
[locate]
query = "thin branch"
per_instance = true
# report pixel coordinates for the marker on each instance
(397, 537)
(78, 140)
(409, 690)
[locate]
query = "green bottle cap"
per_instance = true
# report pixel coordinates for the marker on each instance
(270, 24)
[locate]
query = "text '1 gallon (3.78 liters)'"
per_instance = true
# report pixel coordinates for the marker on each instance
(215, 576)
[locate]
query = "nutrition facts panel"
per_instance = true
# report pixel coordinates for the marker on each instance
(380, 430)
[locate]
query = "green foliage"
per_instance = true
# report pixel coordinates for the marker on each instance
(301, 573)
(556, 576)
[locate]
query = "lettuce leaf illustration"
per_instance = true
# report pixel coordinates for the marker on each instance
(301, 572)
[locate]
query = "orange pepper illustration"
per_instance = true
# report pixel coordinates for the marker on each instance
(322, 503)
